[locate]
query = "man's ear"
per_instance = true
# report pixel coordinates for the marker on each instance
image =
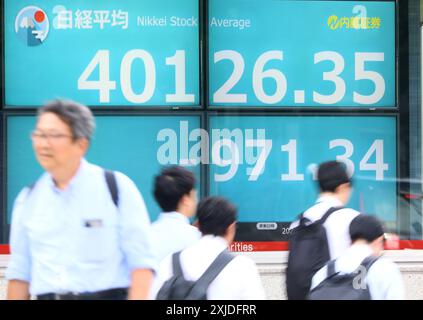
(196, 224)
(232, 227)
(342, 187)
(83, 144)
(230, 231)
(185, 199)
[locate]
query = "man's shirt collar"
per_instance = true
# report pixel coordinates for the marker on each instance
(75, 179)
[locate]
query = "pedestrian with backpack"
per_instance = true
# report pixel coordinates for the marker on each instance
(322, 232)
(79, 232)
(174, 191)
(360, 273)
(206, 270)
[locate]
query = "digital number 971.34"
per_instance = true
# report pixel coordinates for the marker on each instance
(232, 159)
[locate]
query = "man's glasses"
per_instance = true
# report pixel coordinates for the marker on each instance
(53, 137)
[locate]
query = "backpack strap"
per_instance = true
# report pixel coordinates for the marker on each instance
(176, 264)
(211, 273)
(330, 269)
(368, 262)
(29, 189)
(112, 185)
(304, 221)
(328, 213)
(31, 186)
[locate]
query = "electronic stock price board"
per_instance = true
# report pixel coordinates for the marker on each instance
(267, 55)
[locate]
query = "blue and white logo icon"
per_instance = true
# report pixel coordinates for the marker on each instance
(32, 26)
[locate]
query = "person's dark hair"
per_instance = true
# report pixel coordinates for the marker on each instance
(332, 174)
(366, 227)
(171, 185)
(215, 215)
(78, 117)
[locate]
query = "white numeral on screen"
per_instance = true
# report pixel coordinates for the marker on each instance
(103, 85)
(361, 74)
(291, 148)
(333, 76)
(345, 158)
(150, 76)
(265, 146)
(378, 166)
(232, 162)
(278, 76)
(222, 95)
(180, 95)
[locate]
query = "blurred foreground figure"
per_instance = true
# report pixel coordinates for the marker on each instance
(79, 232)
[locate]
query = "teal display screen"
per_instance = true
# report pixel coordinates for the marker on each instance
(102, 52)
(267, 165)
(274, 53)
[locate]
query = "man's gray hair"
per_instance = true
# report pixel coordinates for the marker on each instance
(77, 116)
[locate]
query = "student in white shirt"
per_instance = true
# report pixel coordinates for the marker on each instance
(175, 193)
(239, 280)
(383, 278)
(335, 189)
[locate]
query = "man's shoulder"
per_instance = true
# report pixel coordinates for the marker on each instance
(385, 280)
(22, 195)
(317, 211)
(121, 178)
(165, 228)
(35, 184)
(238, 269)
(189, 230)
(241, 262)
(124, 185)
(27, 194)
(347, 212)
(384, 266)
(340, 220)
(92, 167)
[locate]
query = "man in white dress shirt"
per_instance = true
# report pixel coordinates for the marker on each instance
(71, 236)
(175, 193)
(239, 280)
(383, 278)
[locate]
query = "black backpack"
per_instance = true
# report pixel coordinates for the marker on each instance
(338, 286)
(308, 252)
(177, 288)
